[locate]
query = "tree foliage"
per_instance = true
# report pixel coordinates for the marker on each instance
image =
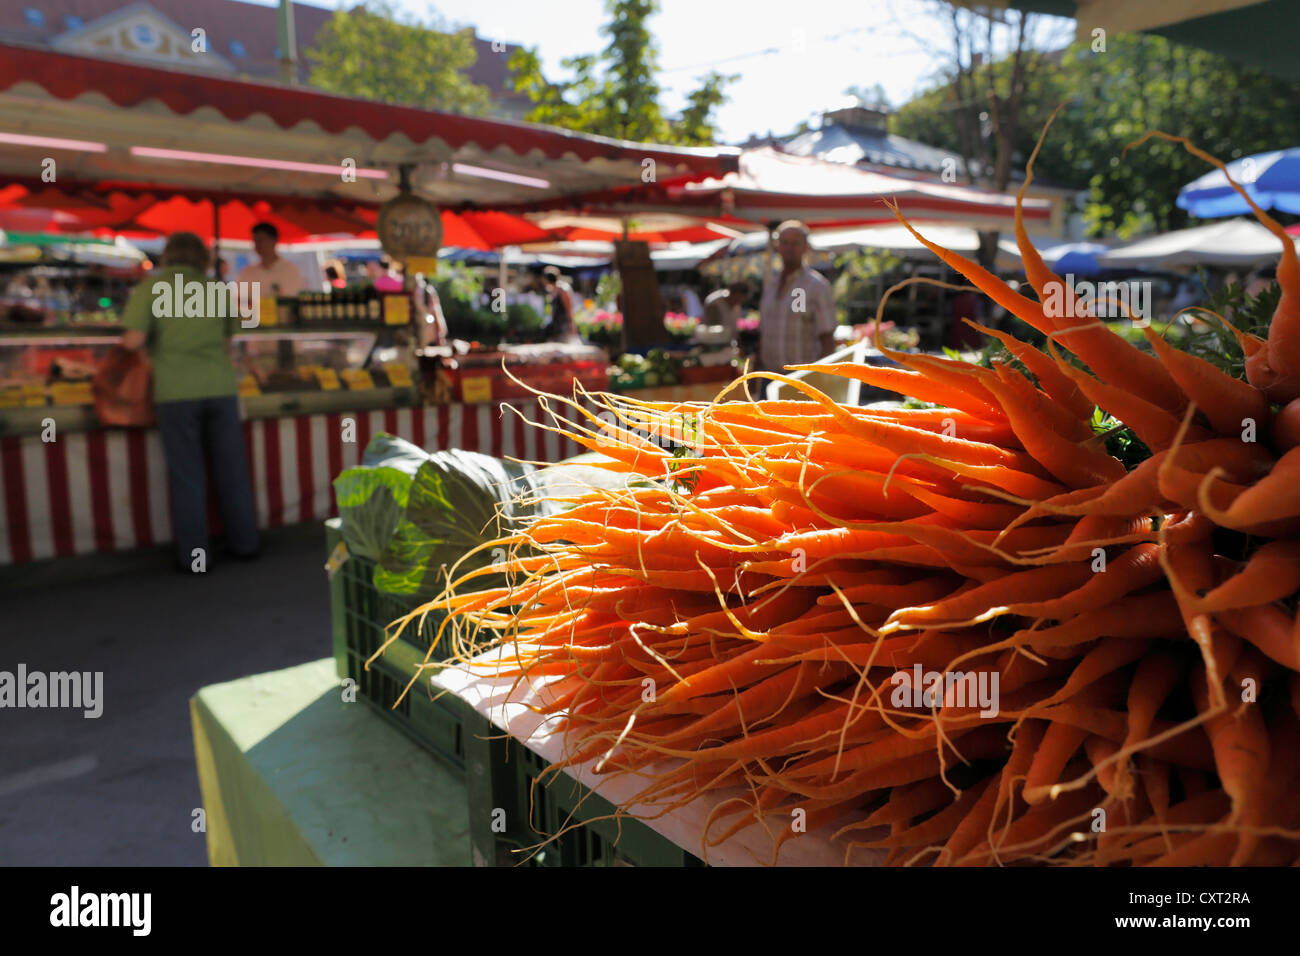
(1113, 92)
(616, 92)
(373, 52)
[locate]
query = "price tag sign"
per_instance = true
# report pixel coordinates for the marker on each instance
(266, 311)
(11, 397)
(476, 389)
(248, 387)
(397, 310)
(357, 378)
(399, 375)
(328, 379)
(337, 558)
(72, 393)
(428, 265)
(33, 396)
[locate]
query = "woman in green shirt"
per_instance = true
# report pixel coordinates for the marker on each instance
(196, 397)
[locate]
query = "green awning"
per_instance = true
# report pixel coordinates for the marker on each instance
(51, 239)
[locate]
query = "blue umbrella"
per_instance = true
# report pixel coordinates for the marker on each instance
(1271, 179)
(1076, 258)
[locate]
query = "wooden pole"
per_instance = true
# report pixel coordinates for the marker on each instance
(288, 44)
(216, 239)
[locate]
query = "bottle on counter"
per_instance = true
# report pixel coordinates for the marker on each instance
(286, 311)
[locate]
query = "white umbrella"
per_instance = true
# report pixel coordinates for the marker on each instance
(1238, 242)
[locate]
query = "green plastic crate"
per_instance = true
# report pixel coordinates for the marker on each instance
(498, 771)
(360, 613)
(499, 775)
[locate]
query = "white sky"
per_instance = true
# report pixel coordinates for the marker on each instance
(795, 57)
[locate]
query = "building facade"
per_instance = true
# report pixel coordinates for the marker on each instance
(239, 39)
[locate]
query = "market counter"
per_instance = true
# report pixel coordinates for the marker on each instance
(106, 489)
(293, 775)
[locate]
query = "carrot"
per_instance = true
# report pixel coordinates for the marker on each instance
(1268, 628)
(1241, 757)
(1066, 424)
(1131, 571)
(1036, 583)
(1056, 384)
(1058, 746)
(1208, 849)
(1112, 358)
(1154, 425)
(1075, 466)
(1227, 402)
(914, 384)
(1028, 739)
(1270, 574)
(1031, 832)
(1275, 370)
(972, 802)
(1286, 428)
(1155, 776)
(992, 478)
(1153, 681)
(1273, 502)
(967, 833)
(1147, 615)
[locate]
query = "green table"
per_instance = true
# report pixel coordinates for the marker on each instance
(294, 775)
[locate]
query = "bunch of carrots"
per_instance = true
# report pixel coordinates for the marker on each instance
(739, 621)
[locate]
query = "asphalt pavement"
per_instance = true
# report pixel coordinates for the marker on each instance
(121, 789)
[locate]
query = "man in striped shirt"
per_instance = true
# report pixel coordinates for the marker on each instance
(797, 313)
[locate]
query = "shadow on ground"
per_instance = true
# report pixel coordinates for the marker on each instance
(121, 789)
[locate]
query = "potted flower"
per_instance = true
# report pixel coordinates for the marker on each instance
(680, 326)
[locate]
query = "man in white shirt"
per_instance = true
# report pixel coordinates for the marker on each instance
(277, 276)
(797, 313)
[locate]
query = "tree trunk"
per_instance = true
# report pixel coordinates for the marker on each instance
(988, 250)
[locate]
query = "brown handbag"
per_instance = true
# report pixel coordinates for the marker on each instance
(123, 389)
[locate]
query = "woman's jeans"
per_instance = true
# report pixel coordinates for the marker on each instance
(187, 428)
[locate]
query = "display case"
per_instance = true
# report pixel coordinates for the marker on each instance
(45, 372)
(486, 374)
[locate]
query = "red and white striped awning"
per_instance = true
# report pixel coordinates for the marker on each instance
(110, 121)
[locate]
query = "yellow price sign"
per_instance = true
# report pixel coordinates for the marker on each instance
(428, 265)
(357, 378)
(72, 393)
(397, 310)
(33, 396)
(11, 397)
(266, 311)
(248, 387)
(476, 389)
(328, 379)
(337, 559)
(399, 375)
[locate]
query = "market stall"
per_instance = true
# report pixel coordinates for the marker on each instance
(770, 186)
(321, 371)
(1234, 243)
